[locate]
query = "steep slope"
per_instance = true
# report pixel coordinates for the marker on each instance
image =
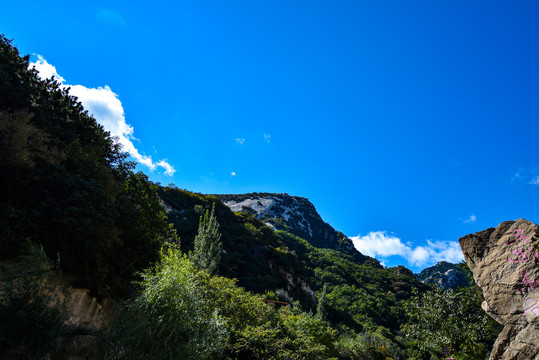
(296, 215)
(445, 274)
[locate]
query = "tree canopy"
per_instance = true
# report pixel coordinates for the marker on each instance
(66, 184)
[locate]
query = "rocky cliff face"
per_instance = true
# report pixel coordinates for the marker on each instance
(294, 214)
(505, 265)
(445, 274)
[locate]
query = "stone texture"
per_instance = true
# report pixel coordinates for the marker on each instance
(445, 275)
(87, 312)
(298, 216)
(506, 267)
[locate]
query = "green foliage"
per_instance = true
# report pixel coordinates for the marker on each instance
(169, 320)
(32, 310)
(298, 336)
(368, 346)
(447, 319)
(359, 296)
(208, 246)
(322, 306)
(183, 312)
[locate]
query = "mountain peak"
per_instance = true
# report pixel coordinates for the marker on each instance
(445, 274)
(294, 214)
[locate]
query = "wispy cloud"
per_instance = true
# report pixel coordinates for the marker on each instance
(240, 140)
(526, 176)
(267, 138)
(471, 219)
(381, 244)
(108, 111)
(111, 17)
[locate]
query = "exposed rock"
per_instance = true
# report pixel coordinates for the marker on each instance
(87, 313)
(505, 266)
(294, 214)
(296, 283)
(445, 274)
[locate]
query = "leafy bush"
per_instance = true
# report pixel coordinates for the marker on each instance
(169, 320)
(448, 319)
(183, 312)
(368, 346)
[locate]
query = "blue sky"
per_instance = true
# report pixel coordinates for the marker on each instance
(407, 124)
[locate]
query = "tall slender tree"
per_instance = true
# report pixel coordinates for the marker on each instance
(322, 306)
(208, 245)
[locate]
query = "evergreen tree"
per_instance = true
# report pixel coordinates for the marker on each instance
(322, 307)
(208, 245)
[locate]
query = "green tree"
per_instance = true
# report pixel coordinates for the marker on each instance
(322, 306)
(208, 245)
(447, 320)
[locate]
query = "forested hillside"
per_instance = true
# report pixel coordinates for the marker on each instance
(191, 278)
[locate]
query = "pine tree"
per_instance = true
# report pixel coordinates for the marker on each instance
(322, 307)
(208, 246)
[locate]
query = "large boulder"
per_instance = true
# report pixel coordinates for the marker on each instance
(505, 266)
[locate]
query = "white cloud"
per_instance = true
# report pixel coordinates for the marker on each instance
(534, 181)
(169, 169)
(232, 173)
(267, 138)
(471, 219)
(240, 140)
(380, 244)
(108, 111)
(46, 70)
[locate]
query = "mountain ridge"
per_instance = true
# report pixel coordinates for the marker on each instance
(445, 274)
(296, 215)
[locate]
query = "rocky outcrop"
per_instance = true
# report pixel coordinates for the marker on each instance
(86, 312)
(446, 275)
(295, 283)
(505, 266)
(294, 214)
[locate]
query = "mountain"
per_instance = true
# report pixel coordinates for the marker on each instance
(296, 215)
(265, 253)
(445, 274)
